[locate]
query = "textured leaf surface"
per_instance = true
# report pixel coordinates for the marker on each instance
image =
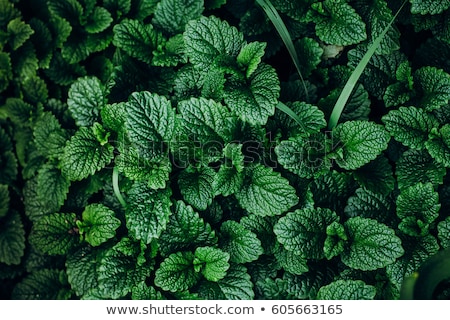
(49, 137)
(255, 101)
(197, 187)
(341, 25)
(347, 290)
(291, 261)
(98, 224)
(52, 186)
(54, 234)
(428, 6)
(266, 192)
(362, 142)
(304, 231)
(4, 200)
(250, 56)
(368, 204)
(242, 244)
(376, 176)
(372, 245)
(82, 269)
(172, 15)
(12, 239)
(418, 206)
(439, 145)
(410, 126)
(45, 284)
(418, 166)
(148, 211)
(444, 232)
(137, 39)
(18, 32)
(211, 262)
(186, 230)
(84, 155)
(176, 272)
(208, 38)
(433, 87)
(99, 20)
(86, 99)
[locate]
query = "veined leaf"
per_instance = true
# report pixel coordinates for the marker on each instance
(347, 290)
(304, 231)
(52, 186)
(266, 192)
(176, 272)
(433, 87)
(45, 284)
(439, 145)
(173, 15)
(211, 262)
(18, 32)
(49, 137)
(98, 224)
(12, 239)
(372, 245)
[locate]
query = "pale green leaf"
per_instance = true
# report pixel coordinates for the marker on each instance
(98, 224)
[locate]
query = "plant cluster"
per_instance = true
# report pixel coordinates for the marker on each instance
(171, 149)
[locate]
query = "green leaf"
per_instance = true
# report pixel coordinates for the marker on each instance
(443, 228)
(35, 90)
(376, 176)
(250, 56)
(210, 37)
(4, 200)
(418, 166)
(204, 119)
(45, 284)
(82, 269)
(439, 145)
(265, 192)
(114, 117)
(119, 7)
(338, 23)
(347, 290)
(176, 272)
(368, 204)
(49, 137)
(172, 54)
(242, 244)
(148, 211)
(55, 234)
(196, 186)
(150, 120)
(211, 262)
(424, 7)
(12, 239)
(410, 126)
(433, 87)
(335, 242)
(185, 231)
(87, 97)
(291, 261)
(372, 245)
(71, 10)
(143, 292)
(255, 100)
(172, 15)
(418, 206)
(304, 231)
(98, 224)
(84, 155)
(137, 39)
(417, 251)
(305, 156)
(52, 186)
(236, 285)
(155, 171)
(361, 141)
(99, 20)
(311, 53)
(35, 208)
(118, 272)
(18, 32)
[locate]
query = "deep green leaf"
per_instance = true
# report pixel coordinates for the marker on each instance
(304, 231)
(172, 15)
(211, 262)
(99, 20)
(291, 261)
(372, 245)
(196, 186)
(439, 145)
(433, 87)
(49, 137)
(443, 228)
(143, 292)
(98, 224)
(4, 200)
(265, 192)
(55, 234)
(82, 269)
(347, 290)
(376, 176)
(84, 155)
(52, 186)
(12, 239)
(242, 244)
(45, 284)
(176, 272)
(424, 7)
(18, 32)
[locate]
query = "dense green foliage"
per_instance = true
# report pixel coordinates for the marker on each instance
(170, 149)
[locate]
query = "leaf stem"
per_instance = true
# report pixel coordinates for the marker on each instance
(116, 188)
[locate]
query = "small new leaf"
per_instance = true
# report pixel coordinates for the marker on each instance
(98, 224)
(211, 262)
(250, 56)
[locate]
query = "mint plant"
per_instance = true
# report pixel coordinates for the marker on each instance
(190, 149)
